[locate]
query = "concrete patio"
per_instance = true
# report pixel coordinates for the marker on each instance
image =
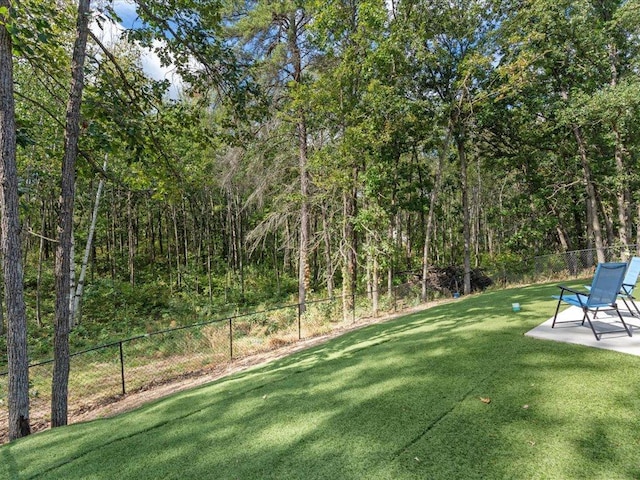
(582, 334)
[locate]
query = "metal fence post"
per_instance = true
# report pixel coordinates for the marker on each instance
(230, 340)
(353, 307)
(122, 368)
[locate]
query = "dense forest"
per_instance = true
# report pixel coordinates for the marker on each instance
(303, 148)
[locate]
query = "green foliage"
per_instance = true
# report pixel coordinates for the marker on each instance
(210, 181)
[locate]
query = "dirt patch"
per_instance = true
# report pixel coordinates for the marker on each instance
(114, 405)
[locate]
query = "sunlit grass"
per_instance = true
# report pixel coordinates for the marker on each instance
(456, 391)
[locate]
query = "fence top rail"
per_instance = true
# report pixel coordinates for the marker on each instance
(619, 248)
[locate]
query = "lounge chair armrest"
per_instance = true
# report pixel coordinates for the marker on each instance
(627, 288)
(564, 288)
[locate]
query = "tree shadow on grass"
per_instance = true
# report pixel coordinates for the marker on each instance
(395, 400)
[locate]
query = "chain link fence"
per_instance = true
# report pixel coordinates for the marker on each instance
(105, 374)
(578, 262)
(571, 264)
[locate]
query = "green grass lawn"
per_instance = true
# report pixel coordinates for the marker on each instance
(390, 401)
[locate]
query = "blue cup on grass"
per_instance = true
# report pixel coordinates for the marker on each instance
(515, 307)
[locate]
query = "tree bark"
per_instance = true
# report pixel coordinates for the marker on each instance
(17, 359)
(72, 277)
(60, 384)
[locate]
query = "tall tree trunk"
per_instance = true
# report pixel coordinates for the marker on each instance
(72, 277)
(464, 191)
(209, 262)
(303, 264)
(131, 245)
(607, 220)
(60, 384)
(18, 363)
(176, 240)
(1, 299)
(348, 253)
(301, 127)
(77, 297)
(591, 193)
(623, 193)
(327, 251)
(185, 235)
(151, 232)
(111, 237)
(433, 200)
(592, 210)
(240, 242)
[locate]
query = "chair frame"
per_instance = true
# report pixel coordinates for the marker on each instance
(583, 301)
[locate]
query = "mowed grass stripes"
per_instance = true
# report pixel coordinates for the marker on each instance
(456, 391)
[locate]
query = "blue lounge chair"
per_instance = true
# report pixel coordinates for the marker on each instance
(605, 288)
(629, 283)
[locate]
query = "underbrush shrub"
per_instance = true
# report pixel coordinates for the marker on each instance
(217, 336)
(93, 382)
(320, 318)
(243, 328)
(281, 320)
(279, 342)
(326, 311)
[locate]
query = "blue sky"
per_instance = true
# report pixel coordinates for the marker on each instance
(126, 10)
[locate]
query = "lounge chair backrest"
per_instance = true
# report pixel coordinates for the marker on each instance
(633, 272)
(606, 283)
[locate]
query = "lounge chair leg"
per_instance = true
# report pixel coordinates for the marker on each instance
(623, 322)
(595, 334)
(631, 299)
(586, 317)
(553, 324)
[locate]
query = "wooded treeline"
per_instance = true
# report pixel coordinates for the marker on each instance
(326, 145)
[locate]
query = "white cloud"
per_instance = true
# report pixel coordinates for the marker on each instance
(110, 33)
(153, 67)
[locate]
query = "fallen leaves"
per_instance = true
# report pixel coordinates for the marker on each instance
(485, 400)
